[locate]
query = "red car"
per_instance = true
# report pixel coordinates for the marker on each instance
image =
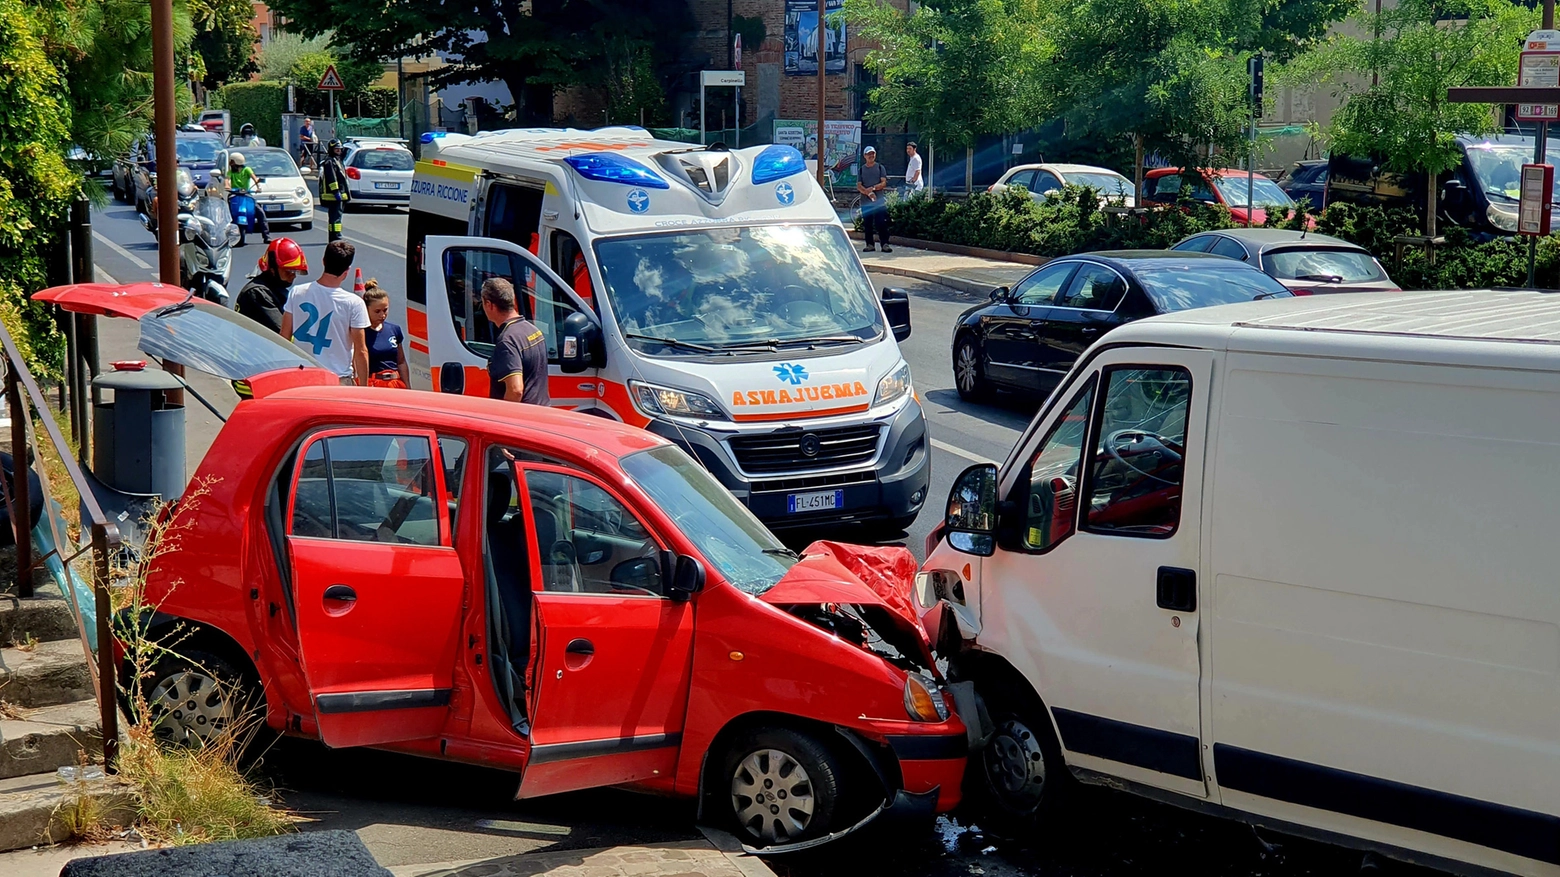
(1163, 187)
(530, 589)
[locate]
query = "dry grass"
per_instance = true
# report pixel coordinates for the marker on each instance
(12, 713)
(27, 643)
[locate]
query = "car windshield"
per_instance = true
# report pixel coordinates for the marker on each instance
(1264, 192)
(384, 160)
(271, 164)
(685, 293)
(740, 548)
(218, 341)
(1498, 167)
(1336, 266)
(1109, 185)
(197, 150)
(1180, 286)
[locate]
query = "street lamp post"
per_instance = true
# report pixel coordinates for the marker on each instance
(822, 52)
(166, 130)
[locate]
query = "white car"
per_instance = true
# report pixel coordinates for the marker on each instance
(283, 196)
(378, 172)
(1042, 179)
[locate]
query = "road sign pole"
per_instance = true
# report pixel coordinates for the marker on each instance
(1540, 156)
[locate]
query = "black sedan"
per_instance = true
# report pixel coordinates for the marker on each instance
(1027, 337)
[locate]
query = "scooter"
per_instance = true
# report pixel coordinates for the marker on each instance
(206, 238)
(243, 207)
(188, 193)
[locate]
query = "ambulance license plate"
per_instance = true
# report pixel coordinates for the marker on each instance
(797, 503)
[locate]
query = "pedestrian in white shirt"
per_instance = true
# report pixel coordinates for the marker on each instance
(913, 180)
(329, 321)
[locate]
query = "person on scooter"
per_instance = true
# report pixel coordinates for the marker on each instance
(333, 188)
(242, 181)
(247, 137)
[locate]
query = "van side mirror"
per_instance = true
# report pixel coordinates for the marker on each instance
(686, 576)
(452, 379)
(971, 517)
(999, 294)
(579, 343)
(896, 305)
(1453, 193)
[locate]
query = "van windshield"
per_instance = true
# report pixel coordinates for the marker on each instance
(738, 289)
(1498, 167)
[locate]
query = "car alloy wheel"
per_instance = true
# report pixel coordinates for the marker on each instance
(773, 796)
(968, 376)
(1014, 765)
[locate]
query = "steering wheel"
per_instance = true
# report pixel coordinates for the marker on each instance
(1133, 442)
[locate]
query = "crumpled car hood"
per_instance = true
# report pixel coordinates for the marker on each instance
(877, 579)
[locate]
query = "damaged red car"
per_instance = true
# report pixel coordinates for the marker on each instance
(535, 590)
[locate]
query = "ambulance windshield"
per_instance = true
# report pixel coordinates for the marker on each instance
(726, 291)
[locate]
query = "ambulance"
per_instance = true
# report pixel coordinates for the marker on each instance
(708, 295)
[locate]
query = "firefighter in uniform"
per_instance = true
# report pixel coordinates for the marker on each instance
(333, 188)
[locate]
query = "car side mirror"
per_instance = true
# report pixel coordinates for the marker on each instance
(971, 517)
(640, 573)
(896, 305)
(452, 379)
(686, 577)
(579, 343)
(1000, 294)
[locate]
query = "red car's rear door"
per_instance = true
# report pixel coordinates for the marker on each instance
(377, 585)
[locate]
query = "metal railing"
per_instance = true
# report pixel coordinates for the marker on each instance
(23, 398)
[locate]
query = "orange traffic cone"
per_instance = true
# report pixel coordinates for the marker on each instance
(357, 282)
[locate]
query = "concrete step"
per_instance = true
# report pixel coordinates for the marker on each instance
(39, 809)
(44, 739)
(52, 672)
(43, 617)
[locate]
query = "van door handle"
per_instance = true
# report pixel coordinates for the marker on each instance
(1176, 589)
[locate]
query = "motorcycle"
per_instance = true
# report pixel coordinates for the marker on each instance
(187, 190)
(206, 239)
(244, 209)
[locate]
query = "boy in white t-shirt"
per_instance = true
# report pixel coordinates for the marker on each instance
(329, 321)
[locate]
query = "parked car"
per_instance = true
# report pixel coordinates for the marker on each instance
(1042, 179)
(1028, 337)
(379, 172)
(198, 152)
(1307, 181)
(1305, 262)
(372, 564)
(284, 197)
(1226, 186)
(1286, 562)
(1479, 194)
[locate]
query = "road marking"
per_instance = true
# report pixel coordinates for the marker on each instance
(959, 452)
(399, 254)
(122, 251)
(106, 277)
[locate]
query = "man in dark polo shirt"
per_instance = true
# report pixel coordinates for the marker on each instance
(517, 370)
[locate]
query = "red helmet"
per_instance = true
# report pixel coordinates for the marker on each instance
(287, 254)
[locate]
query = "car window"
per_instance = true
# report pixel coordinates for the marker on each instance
(368, 487)
(383, 160)
(271, 163)
(1045, 182)
(1327, 266)
(452, 453)
(589, 542)
(1052, 507)
(1198, 190)
(1197, 244)
(1041, 287)
(1223, 246)
(1094, 287)
(1203, 283)
(1135, 473)
(467, 268)
(1026, 179)
(1167, 187)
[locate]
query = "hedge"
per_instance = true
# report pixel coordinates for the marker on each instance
(258, 103)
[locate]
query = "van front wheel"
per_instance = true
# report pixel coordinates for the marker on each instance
(1017, 780)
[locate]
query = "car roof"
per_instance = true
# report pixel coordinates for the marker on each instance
(1265, 238)
(1065, 169)
(1127, 259)
(1213, 171)
(545, 426)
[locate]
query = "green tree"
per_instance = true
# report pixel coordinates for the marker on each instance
(225, 37)
(955, 70)
(1416, 51)
(301, 61)
(631, 84)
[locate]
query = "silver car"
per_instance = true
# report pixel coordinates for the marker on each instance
(379, 172)
(1306, 262)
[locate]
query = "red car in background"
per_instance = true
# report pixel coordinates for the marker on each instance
(530, 589)
(1163, 187)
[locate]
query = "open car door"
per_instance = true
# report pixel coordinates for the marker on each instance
(378, 587)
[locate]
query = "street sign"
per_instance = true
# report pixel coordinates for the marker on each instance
(736, 51)
(1538, 112)
(710, 78)
(331, 81)
(1542, 41)
(1539, 69)
(1254, 87)
(1533, 207)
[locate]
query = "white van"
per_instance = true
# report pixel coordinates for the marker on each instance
(1306, 575)
(712, 298)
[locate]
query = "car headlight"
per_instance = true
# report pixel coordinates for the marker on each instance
(653, 400)
(895, 384)
(923, 702)
(1501, 219)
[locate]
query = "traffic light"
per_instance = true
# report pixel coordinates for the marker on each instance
(1254, 86)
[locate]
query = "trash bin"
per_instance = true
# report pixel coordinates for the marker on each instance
(138, 434)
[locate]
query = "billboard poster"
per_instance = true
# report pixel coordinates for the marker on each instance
(801, 37)
(841, 146)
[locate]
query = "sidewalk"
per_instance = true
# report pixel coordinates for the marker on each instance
(963, 273)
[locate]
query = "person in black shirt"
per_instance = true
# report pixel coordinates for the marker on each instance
(872, 185)
(386, 342)
(265, 295)
(517, 370)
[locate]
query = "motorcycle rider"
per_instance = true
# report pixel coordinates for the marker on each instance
(241, 178)
(333, 188)
(248, 137)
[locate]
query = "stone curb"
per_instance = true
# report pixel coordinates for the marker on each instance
(954, 282)
(34, 815)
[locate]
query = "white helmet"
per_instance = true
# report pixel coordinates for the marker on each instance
(236, 159)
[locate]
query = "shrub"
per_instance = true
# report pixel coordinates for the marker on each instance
(258, 103)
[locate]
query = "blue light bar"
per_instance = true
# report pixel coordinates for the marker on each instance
(777, 162)
(428, 136)
(609, 168)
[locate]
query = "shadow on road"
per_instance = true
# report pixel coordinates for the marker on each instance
(1010, 410)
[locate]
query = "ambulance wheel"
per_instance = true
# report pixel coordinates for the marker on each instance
(193, 697)
(1014, 785)
(780, 786)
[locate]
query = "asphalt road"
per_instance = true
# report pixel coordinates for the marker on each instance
(413, 810)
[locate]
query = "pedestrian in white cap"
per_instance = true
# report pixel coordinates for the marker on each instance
(872, 183)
